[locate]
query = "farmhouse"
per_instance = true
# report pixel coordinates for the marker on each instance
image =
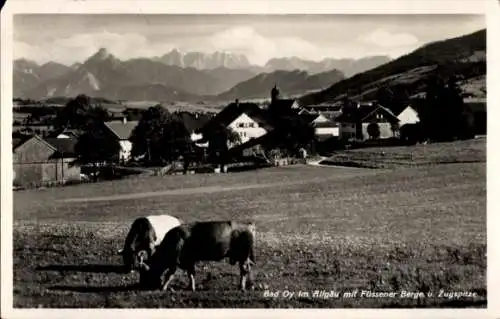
(122, 130)
(323, 126)
(354, 123)
(37, 161)
(245, 119)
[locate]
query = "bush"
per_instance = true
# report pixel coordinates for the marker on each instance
(373, 130)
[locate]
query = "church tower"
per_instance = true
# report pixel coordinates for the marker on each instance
(275, 94)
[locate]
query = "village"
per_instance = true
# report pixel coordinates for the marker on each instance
(46, 155)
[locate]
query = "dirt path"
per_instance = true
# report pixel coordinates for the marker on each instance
(196, 190)
(318, 161)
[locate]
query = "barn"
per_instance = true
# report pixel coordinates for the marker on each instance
(38, 162)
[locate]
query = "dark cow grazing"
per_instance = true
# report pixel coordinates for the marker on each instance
(187, 244)
(144, 235)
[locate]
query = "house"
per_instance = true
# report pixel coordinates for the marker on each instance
(38, 162)
(354, 122)
(64, 133)
(245, 119)
(122, 131)
(325, 130)
(323, 126)
(408, 116)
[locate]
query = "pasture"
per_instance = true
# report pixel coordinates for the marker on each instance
(467, 151)
(319, 228)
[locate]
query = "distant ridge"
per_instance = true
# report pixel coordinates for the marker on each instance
(225, 76)
(463, 56)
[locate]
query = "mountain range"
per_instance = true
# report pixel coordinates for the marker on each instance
(463, 57)
(179, 76)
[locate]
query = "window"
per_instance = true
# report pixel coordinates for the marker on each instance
(250, 124)
(352, 125)
(241, 124)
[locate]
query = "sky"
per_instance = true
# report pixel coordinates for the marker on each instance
(70, 38)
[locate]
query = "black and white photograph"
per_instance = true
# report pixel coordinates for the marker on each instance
(256, 160)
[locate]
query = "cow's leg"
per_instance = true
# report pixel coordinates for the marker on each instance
(191, 272)
(245, 272)
(168, 278)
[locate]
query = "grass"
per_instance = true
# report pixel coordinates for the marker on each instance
(320, 228)
(468, 151)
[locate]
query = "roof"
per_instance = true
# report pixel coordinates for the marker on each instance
(402, 109)
(64, 146)
(361, 113)
(65, 131)
(282, 104)
(21, 141)
(120, 129)
(191, 121)
(326, 124)
(234, 110)
(332, 115)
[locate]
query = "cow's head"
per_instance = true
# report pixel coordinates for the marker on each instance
(135, 260)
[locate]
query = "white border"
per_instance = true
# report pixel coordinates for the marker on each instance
(489, 7)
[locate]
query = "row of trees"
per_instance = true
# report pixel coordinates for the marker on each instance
(443, 114)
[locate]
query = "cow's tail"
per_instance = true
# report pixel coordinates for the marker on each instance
(252, 256)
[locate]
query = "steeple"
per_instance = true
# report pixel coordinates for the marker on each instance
(275, 93)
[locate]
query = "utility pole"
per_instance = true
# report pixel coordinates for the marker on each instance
(149, 151)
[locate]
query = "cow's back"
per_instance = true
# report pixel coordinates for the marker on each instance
(162, 224)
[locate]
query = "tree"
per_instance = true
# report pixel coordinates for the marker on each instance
(373, 130)
(445, 116)
(176, 140)
(219, 139)
(79, 113)
(385, 97)
(161, 136)
(147, 135)
(95, 146)
(394, 129)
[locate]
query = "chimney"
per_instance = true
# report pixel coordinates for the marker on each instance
(124, 120)
(237, 102)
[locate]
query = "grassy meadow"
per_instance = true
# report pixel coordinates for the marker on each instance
(467, 151)
(417, 229)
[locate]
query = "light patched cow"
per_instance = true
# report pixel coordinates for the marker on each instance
(144, 235)
(185, 245)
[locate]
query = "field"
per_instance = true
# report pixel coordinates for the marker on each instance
(320, 228)
(468, 151)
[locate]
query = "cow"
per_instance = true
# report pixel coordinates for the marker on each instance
(144, 235)
(185, 245)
